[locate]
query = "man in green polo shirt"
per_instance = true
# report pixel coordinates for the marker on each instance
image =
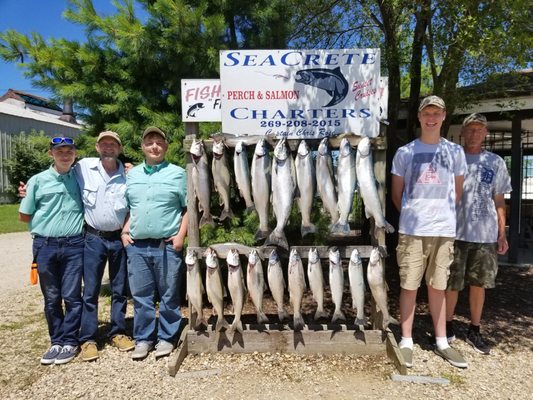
(153, 238)
(54, 211)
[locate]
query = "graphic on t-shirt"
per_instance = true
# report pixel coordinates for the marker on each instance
(482, 194)
(430, 176)
(486, 175)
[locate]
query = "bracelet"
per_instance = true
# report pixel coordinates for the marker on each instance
(124, 233)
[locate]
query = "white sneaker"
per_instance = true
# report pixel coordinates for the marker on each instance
(141, 350)
(163, 348)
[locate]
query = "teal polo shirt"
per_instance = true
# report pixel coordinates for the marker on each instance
(156, 196)
(54, 202)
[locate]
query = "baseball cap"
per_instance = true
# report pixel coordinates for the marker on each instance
(153, 129)
(60, 141)
(109, 134)
(432, 101)
(477, 118)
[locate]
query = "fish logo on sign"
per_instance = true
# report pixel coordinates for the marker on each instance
(191, 112)
(330, 80)
(429, 176)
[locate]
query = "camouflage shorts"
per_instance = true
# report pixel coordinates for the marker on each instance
(474, 264)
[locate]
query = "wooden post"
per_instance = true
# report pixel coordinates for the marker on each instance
(516, 183)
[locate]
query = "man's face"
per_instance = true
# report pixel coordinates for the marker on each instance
(431, 118)
(63, 156)
(108, 148)
(474, 134)
(154, 148)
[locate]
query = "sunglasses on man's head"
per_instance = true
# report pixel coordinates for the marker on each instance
(60, 140)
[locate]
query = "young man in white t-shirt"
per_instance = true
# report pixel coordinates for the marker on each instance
(480, 229)
(427, 180)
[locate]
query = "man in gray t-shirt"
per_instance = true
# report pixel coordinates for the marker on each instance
(480, 229)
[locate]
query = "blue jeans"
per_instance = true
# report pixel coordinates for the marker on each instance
(97, 251)
(155, 267)
(60, 264)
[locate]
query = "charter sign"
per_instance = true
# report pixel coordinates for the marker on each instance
(300, 93)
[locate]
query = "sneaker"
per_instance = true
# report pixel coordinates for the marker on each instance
(89, 351)
(452, 356)
(141, 350)
(123, 343)
(68, 352)
(475, 340)
(163, 348)
(450, 332)
(407, 354)
(51, 354)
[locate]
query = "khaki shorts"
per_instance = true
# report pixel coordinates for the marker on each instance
(419, 255)
(474, 264)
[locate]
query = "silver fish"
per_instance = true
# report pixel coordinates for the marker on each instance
(215, 288)
(242, 175)
(367, 185)
(306, 180)
(336, 283)
(283, 188)
(357, 286)
(345, 186)
(261, 179)
(324, 180)
(316, 281)
(236, 288)
(255, 281)
(276, 282)
(221, 177)
(375, 276)
(195, 288)
(296, 288)
(201, 181)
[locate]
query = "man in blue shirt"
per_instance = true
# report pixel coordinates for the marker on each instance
(54, 211)
(153, 236)
(103, 185)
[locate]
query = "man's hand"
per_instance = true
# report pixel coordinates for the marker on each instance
(177, 242)
(22, 190)
(126, 239)
(503, 246)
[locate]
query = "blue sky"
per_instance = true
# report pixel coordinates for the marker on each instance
(44, 17)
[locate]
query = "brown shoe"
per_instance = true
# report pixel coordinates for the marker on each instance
(89, 351)
(122, 342)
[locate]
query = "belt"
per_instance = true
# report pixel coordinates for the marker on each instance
(103, 234)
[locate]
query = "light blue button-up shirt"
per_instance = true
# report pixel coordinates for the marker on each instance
(103, 195)
(157, 197)
(54, 202)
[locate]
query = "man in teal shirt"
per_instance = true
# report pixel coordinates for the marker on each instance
(54, 211)
(153, 237)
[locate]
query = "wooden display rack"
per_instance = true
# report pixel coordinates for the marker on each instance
(280, 338)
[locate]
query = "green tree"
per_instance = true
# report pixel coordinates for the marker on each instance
(29, 157)
(127, 75)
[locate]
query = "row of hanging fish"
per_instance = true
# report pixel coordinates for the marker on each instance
(256, 285)
(284, 179)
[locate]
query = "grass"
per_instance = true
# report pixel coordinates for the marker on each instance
(9, 219)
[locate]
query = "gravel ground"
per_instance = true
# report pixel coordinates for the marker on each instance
(506, 374)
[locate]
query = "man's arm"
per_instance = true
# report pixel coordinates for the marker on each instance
(125, 236)
(459, 181)
(179, 238)
(499, 202)
(24, 217)
(397, 191)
